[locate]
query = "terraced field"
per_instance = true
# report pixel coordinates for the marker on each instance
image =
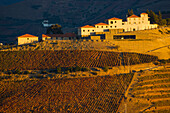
(150, 92)
(37, 60)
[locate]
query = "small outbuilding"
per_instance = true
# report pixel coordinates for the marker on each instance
(27, 39)
(66, 36)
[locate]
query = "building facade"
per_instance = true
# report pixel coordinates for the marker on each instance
(27, 39)
(66, 36)
(133, 23)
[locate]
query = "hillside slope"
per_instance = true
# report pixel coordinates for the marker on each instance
(149, 92)
(26, 16)
(93, 94)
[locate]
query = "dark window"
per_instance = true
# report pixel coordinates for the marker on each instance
(97, 26)
(106, 26)
(27, 38)
(122, 23)
(83, 30)
(110, 26)
(102, 26)
(133, 29)
(93, 30)
(88, 30)
(115, 21)
(111, 22)
(115, 26)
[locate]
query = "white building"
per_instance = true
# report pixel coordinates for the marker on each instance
(133, 23)
(26, 39)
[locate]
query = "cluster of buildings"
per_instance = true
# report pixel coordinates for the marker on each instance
(116, 26)
(113, 29)
(27, 38)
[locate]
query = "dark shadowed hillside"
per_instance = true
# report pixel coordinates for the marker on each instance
(26, 16)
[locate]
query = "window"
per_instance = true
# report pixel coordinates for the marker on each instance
(122, 23)
(110, 26)
(115, 21)
(27, 38)
(111, 22)
(133, 29)
(88, 30)
(97, 26)
(115, 26)
(106, 26)
(139, 22)
(93, 30)
(129, 22)
(83, 30)
(102, 27)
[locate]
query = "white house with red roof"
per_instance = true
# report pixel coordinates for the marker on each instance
(133, 23)
(27, 39)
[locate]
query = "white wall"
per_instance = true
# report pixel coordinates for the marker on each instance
(27, 40)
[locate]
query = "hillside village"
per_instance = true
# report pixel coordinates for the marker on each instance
(101, 31)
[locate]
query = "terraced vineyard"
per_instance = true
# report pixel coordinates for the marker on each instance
(36, 60)
(154, 89)
(95, 94)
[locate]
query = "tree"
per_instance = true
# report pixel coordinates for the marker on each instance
(160, 18)
(164, 22)
(130, 12)
(168, 21)
(153, 18)
(147, 11)
(54, 29)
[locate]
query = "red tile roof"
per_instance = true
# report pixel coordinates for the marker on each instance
(101, 24)
(144, 13)
(62, 35)
(27, 35)
(87, 26)
(45, 35)
(133, 16)
(114, 18)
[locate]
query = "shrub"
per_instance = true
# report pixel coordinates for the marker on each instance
(77, 68)
(67, 72)
(17, 71)
(85, 69)
(26, 72)
(105, 69)
(160, 31)
(58, 70)
(44, 72)
(70, 69)
(94, 73)
(39, 76)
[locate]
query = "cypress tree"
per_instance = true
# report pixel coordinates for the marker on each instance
(147, 11)
(130, 12)
(160, 18)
